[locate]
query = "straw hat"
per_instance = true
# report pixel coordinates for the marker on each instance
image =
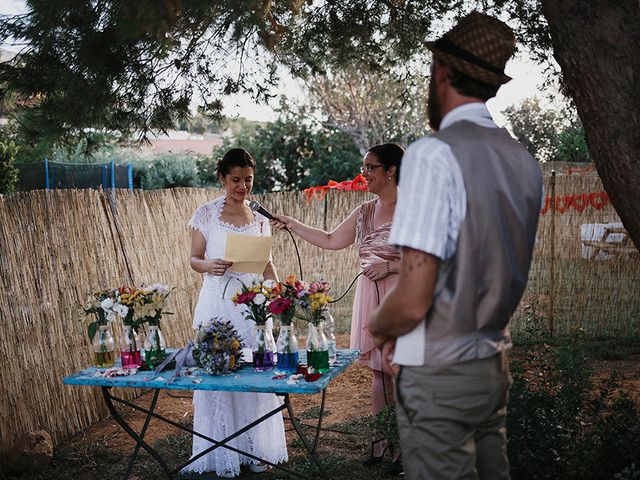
(478, 46)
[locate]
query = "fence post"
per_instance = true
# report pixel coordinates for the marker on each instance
(130, 176)
(552, 266)
(113, 175)
(46, 173)
(105, 174)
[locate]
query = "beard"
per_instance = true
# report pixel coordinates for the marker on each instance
(434, 108)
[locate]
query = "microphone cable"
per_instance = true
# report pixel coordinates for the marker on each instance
(297, 251)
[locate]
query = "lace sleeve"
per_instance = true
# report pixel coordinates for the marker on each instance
(200, 219)
(266, 227)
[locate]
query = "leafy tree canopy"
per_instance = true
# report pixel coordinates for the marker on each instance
(138, 66)
(548, 134)
(371, 107)
(292, 153)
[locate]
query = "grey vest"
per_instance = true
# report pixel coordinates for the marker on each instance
(480, 286)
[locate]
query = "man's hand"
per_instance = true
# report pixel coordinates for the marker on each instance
(388, 350)
(406, 305)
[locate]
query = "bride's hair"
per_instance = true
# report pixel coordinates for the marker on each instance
(236, 157)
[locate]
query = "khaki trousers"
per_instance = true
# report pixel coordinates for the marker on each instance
(452, 420)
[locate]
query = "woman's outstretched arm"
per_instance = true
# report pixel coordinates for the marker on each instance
(341, 237)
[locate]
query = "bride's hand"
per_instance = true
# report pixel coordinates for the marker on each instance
(218, 267)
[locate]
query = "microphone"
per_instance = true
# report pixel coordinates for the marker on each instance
(256, 207)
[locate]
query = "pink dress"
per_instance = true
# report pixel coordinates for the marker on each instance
(372, 247)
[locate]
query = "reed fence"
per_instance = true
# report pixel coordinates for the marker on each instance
(58, 246)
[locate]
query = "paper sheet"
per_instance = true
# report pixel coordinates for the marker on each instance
(249, 254)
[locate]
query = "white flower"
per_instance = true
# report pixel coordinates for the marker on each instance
(111, 316)
(259, 299)
(269, 283)
(106, 304)
(121, 310)
(160, 288)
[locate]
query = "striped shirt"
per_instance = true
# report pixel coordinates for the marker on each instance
(432, 203)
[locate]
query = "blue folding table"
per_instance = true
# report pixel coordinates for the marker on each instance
(243, 380)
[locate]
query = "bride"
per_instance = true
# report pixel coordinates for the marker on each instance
(220, 414)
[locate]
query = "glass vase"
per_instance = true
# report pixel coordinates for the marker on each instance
(317, 348)
(130, 348)
(103, 348)
(287, 346)
(329, 328)
(154, 347)
(264, 349)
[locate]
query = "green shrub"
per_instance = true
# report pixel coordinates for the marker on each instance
(8, 170)
(167, 171)
(560, 426)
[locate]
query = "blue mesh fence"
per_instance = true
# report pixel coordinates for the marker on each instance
(46, 174)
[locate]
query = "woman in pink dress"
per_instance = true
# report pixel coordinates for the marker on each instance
(368, 226)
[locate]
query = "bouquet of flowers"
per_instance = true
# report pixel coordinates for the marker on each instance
(143, 304)
(257, 298)
(312, 298)
(218, 348)
(285, 301)
(102, 307)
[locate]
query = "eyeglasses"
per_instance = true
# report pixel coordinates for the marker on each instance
(367, 167)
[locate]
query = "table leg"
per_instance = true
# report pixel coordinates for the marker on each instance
(216, 443)
(311, 449)
(139, 439)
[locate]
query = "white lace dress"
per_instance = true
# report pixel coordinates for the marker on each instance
(219, 414)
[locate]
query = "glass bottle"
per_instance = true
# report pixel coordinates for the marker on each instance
(263, 352)
(130, 348)
(287, 347)
(317, 348)
(154, 347)
(103, 348)
(329, 328)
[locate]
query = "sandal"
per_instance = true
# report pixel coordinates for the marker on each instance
(372, 459)
(258, 467)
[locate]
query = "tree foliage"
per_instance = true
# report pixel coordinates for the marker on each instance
(8, 170)
(548, 134)
(371, 107)
(138, 66)
(134, 66)
(292, 153)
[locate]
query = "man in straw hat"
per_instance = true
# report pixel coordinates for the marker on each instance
(466, 219)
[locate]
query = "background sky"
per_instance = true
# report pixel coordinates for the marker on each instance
(528, 79)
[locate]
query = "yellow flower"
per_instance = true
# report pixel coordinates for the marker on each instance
(235, 344)
(315, 305)
(232, 362)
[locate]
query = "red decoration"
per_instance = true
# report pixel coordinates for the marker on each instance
(579, 201)
(580, 170)
(357, 184)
